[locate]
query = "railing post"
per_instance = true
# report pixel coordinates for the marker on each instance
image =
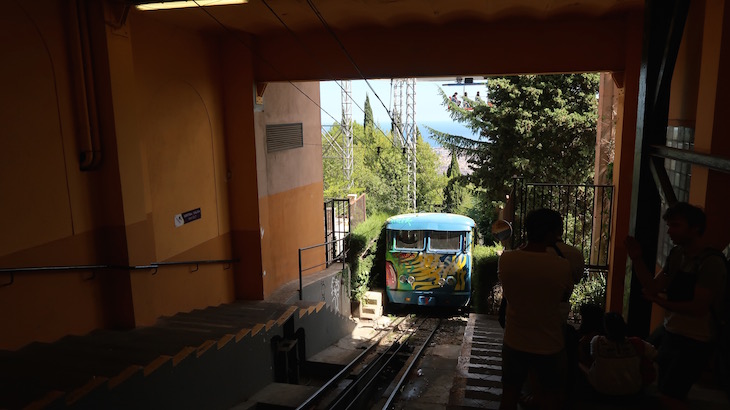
(300, 274)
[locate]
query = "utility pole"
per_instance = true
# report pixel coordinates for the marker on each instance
(396, 126)
(346, 126)
(340, 145)
(404, 129)
(410, 139)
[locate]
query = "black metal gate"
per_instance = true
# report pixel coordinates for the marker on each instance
(336, 228)
(586, 211)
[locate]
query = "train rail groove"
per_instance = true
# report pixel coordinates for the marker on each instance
(374, 378)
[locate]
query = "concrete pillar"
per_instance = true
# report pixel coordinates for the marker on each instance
(246, 235)
(628, 91)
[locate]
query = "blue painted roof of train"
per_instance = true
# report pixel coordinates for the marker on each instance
(430, 222)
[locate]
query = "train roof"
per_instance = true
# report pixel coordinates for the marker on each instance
(430, 221)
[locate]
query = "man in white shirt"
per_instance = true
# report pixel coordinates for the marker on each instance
(535, 282)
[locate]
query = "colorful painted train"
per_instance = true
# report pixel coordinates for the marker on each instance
(429, 259)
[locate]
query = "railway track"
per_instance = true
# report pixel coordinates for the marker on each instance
(374, 378)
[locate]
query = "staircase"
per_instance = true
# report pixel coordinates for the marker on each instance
(207, 358)
(478, 381)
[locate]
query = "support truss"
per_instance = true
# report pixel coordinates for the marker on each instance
(339, 145)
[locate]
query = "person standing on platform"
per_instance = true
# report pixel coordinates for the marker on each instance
(535, 282)
(690, 288)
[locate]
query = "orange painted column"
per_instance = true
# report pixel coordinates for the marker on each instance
(242, 173)
(712, 132)
(628, 82)
(115, 99)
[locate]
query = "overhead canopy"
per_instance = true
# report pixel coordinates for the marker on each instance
(338, 39)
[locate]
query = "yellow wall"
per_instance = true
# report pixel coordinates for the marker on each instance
(165, 141)
(290, 185)
(55, 214)
(179, 148)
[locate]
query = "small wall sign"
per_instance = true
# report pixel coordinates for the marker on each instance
(187, 217)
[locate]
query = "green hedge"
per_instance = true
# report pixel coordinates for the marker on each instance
(484, 277)
(590, 290)
(362, 256)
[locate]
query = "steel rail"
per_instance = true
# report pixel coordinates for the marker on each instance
(352, 393)
(336, 378)
(414, 359)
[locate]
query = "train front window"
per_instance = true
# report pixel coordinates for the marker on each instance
(445, 241)
(408, 239)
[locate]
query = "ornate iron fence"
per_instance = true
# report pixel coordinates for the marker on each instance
(586, 211)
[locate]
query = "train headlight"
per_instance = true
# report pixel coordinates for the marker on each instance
(442, 282)
(451, 281)
(411, 280)
(403, 279)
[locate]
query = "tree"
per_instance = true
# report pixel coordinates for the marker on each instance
(379, 169)
(429, 182)
(454, 192)
(368, 120)
(542, 127)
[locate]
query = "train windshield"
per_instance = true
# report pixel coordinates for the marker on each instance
(445, 241)
(408, 239)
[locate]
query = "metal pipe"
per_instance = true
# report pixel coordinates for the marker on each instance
(87, 115)
(300, 274)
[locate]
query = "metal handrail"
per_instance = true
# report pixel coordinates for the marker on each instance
(344, 258)
(154, 266)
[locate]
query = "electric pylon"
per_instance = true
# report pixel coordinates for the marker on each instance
(341, 142)
(404, 129)
(410, 139)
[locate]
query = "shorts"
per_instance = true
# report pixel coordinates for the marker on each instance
(549, 368)
(681, 362)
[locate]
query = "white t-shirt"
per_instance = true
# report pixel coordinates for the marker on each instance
(534, 284)
(616, 368)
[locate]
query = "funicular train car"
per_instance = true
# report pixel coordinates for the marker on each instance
(429, 259)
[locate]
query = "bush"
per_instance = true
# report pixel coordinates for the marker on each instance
(484, 276)
(362, 253)
(590, 290)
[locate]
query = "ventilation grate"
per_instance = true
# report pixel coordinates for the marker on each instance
(280, 137)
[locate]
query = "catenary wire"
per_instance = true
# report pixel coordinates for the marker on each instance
(298, 38)
(234, 34)
(357, 68)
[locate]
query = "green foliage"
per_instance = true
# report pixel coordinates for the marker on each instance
(429, 183)
(484, 276)
(362, 253)
(591, 289)
(454, 192)
(380, 170)
(541, 127)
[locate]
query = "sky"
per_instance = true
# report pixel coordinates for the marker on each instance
(429, 108)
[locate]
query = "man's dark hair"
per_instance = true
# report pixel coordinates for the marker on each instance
(694, 216)
(541, 222)
(615, 326)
